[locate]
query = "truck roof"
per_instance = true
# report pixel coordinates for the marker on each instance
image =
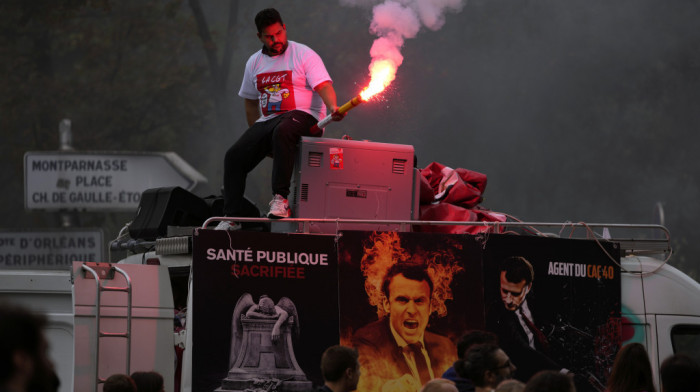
(653, 284)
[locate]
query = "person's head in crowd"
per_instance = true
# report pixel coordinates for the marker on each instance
(631, 370)
(486, 365)
(439, 385)
(550, 381)
(340, 368)
(408, 292)
(472, 338)
(510, 385)
(148, 381)
(516, 276)
(24, 360)
(119, 383)
(680, 373)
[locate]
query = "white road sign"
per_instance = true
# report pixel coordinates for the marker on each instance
(51, 249)
(104, 181)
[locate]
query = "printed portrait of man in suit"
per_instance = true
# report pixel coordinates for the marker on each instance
(522, 332)
(397, 352)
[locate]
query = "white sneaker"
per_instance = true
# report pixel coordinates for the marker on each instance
(279, 208)
(226, 225)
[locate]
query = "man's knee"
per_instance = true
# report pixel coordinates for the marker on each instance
(231, 155)
(236, 156)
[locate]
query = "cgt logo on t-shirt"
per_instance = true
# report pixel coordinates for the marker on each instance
(276, 92)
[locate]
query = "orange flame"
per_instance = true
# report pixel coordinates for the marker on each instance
(382, 73)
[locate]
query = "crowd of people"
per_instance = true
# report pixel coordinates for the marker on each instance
(482, 366)
(485, 367)
(136, 382)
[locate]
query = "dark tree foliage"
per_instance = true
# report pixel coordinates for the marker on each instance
(121, 71)
(582, 110)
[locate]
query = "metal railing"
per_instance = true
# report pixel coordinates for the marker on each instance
(636, 238)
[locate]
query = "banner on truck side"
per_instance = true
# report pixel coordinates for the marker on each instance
(554, 304)
(269, 304)
(404, 288)
(266, 309)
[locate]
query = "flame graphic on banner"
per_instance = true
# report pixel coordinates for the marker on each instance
(385, 250)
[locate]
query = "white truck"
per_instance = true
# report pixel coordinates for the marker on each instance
(660, 309)
(120, 316)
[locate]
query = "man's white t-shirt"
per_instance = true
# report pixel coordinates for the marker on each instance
(285, 82)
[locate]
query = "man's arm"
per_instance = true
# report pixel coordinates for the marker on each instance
(252, 110)
(327, 93)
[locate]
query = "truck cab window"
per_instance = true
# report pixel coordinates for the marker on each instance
(686, 340)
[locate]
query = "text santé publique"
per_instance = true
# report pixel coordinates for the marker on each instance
(268, 263)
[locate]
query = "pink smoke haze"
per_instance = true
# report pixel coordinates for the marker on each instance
(394, 21)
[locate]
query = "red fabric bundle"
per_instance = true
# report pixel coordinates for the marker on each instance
(448, 194)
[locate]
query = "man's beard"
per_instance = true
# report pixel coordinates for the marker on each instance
(278, 48)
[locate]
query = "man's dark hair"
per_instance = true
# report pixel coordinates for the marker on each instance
(267, 17)
(21, 330)
(517, 269)
(335, 360)
(148, 381)
(412, 271)
(550, 381)
(472, 338)
(119, 383)
(679, 372)
(479, 359)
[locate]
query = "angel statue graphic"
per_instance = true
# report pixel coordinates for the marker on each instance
(262, 355)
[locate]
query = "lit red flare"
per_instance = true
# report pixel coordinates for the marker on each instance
(382, 73)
